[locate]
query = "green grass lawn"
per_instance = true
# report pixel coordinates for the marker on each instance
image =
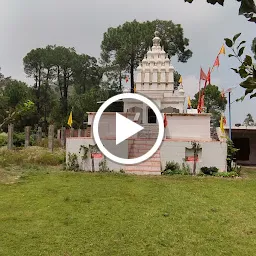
(52, 212)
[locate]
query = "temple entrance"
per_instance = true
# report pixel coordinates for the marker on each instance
(151, 116)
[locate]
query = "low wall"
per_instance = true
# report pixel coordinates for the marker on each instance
(213, 153)
(73, 146)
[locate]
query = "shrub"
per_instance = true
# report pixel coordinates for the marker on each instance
(172, 168)
(3, 139)
(103, 167)
(44, 143)
(19, 139)
(72, 164)
(209, 170)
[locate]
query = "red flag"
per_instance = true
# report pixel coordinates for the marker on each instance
(126, 79)
(224, 120)
(165, 121)
(209, 76)
(216, 62)
(203, 76)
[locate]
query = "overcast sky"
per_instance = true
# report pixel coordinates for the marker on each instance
(28, 24)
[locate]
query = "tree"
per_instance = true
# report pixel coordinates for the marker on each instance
(248, 121)
(247, 69)
(123, 47)
(247, 7)
(86, 73)
(33, 67)
(213, 101)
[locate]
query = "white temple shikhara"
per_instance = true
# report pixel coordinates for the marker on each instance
(155, 80)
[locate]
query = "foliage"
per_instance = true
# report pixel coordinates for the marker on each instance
(226, 174)
(172, 168)
(209, 170)
(248, 121)
(247, 69)
(247, 7)
(123, 47)
(31, 155)
(72, 162)
(84, 150)
(213, 101)
(103, 167)
(3, 139)
(231, 153)
(19, 139)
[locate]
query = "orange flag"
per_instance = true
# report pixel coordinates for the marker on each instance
(222, 50)
(209, 76)
(216, 62)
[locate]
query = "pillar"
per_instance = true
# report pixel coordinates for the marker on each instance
(39, 135)
(63, 136)
(50, 137)
(27, 136)
(79, 133)
(10, 136)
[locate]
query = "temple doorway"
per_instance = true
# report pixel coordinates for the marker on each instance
(151, 116)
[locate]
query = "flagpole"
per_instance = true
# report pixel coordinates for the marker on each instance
(229, 108)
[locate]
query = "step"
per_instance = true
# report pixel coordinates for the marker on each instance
(143, 173)
(142, 168)
(136, 154)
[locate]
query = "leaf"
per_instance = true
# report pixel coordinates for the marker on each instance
(243, 42)
(243, 73)
(247, 91)
(228, 42)
(253, 95)
(235, 70)
(231, 55)
(236, 36)
(248, 60)
(241, 51)
(249, 83)
(247, 6)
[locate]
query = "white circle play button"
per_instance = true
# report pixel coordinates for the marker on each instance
(126, 128)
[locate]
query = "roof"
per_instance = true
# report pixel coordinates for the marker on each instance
(242, 127)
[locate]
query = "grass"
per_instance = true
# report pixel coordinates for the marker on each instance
(52, 212)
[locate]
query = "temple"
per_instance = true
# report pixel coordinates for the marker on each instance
(155, 80)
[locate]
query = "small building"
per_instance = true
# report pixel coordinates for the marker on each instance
(244, 138)
(155, 80)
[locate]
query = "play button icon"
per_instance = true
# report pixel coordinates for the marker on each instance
(125, 128)
(122, 127)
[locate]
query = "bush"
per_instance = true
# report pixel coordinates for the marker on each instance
(44, 143)
(209, 170)
(172, 168)
(19, 139)
(72, 164)
(3, 139)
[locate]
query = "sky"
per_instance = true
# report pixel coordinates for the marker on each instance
(28, 24)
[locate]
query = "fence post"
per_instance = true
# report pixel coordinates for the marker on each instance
(79, 134)
(39, 135)
(10, 136)
(59, 134)
(63, 136)
(50, 137)
(27, 136)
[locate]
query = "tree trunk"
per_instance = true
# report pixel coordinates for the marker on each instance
(132, 76)
(93, 167)
(194, 165)
(65, 93)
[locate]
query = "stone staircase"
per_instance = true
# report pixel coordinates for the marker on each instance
(150, 131)
(151, 166)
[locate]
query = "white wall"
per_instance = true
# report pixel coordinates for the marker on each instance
(188, 126)
(73, 146)
(175, 151)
